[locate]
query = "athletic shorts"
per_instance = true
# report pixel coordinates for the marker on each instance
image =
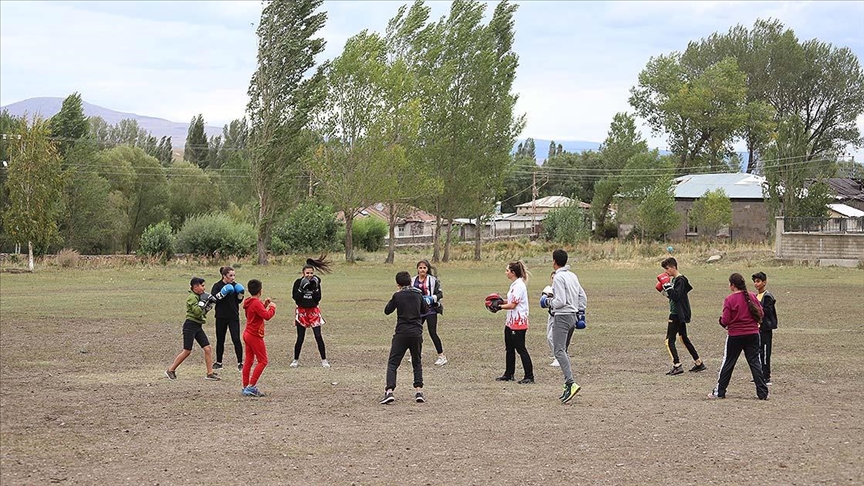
(192, 331)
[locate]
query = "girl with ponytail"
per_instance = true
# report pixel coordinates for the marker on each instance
(741, 316)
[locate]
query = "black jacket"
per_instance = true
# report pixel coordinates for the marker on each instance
(769, 320)
(678, 295)
(409, 306)
(306, 299)
(228, 308)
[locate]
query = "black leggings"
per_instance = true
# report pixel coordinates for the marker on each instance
(514, 341)
(432, 324)
(678, 328)
(301, 335)
(223, 325)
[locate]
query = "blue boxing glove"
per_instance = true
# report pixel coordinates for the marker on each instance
(580, 320)
(429, 300)
(544, 301)
(239, 289)
(227, 290)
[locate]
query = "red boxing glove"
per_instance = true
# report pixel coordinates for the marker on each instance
(662, 279)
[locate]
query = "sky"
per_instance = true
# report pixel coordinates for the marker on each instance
(175, 59)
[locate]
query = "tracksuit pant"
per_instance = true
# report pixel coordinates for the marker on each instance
(765, 338)
(514, 341)
(398, 346)
(561, 332)
(674, 329)
(255, 351)
(734, 345)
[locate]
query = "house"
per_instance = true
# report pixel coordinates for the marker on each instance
(750, 216)
(848, 219)
(525, 221)
(848, 191)
(546, 204)
(413, 221)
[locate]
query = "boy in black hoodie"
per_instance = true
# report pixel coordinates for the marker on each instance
(679, 315)
(409, 306)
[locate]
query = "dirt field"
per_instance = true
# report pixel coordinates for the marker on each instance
(84, 399)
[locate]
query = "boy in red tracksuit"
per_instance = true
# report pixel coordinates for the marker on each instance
(253, 336)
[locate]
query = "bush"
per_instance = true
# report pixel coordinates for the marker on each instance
(68, 258)
(214, 233)
(311, 227)
(369, 233)
(157, 241)
(567, 224)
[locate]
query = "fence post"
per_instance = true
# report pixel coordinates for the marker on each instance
(778, 235)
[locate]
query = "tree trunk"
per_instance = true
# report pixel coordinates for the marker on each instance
(349, 236)
(392, 245)
(263, 230)
(447, 244)
(478, 242)
(436, 237)
(30, 256)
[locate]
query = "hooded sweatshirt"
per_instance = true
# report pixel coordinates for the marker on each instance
(736, 316)
(256, 314)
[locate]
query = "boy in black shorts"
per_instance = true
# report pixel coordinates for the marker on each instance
(196, 314)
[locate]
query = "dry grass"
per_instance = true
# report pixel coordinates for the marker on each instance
(84, 401)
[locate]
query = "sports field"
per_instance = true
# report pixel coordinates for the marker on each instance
(84, 399)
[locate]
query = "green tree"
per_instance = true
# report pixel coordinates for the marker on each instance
(656, 215)
(190, 193)
(69, 124)
(164, 151)
(10, 126)
(141, 180)
(35, 185)
(282, 100)
(197, 147)
(711, 212)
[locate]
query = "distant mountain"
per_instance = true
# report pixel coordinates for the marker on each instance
(158, 127)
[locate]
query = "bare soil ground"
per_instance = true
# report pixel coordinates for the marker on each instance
(84, 399)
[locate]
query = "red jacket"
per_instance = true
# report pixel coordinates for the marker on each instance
(256, 314)
(736, 316)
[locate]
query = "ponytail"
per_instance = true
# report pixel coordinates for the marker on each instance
(519, 269)
(737, 280)
(320, 263)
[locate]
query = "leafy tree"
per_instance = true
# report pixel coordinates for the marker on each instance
(215, 234)
(10, 126)
(656, 215)
(141, 180)
(788, 172)
(215, 146)
(69, 124)
(310, 227)
(35, 185)
(282, 102)
(567, 225)
(197, 147)
(190, 192)
(518, 181)
(157, 240)
(711, 212)
(164, 151)
(572, 174)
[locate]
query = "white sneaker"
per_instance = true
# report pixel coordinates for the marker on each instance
(294, 364)
(441, 361)
(555, 363)
(325, 363)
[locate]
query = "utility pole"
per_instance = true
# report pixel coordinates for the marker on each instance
(533, 201)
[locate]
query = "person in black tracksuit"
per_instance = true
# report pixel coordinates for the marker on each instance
(768, 324)
(227, 318)
(679, 315)
(409, 305)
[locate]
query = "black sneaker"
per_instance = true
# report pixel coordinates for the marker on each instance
(504, 378)
(171, 375)
(217, 366)
(418, 397)
(676, 370)
(212, 377)
(526, 381)
(570, 391)
(697, 368)
(388, 398)
(239, 366)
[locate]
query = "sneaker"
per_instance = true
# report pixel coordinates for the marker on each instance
(555, 363)
(563, 392)
(441, 361)
(418, 397)
(171, 375)
(713, 396)
(294, 364)
(252, 391)
(217, 366)
(388, 398)
(213, 377)
(325, 363)
(570, 391)
(697, 368)
(239, 366)
(504, 378)
(676, 370)
(764, 398)
(526, 381)
(768, 382)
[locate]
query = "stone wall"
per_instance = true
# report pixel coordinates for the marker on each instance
(749, 221)
(845, 249)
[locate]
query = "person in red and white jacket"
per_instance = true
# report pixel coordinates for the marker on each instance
(742, 314)
(516, 325)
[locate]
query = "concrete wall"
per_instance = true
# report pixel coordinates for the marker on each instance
(749, 221)
(846, 249)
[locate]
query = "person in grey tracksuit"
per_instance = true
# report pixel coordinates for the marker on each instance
(569, 299)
